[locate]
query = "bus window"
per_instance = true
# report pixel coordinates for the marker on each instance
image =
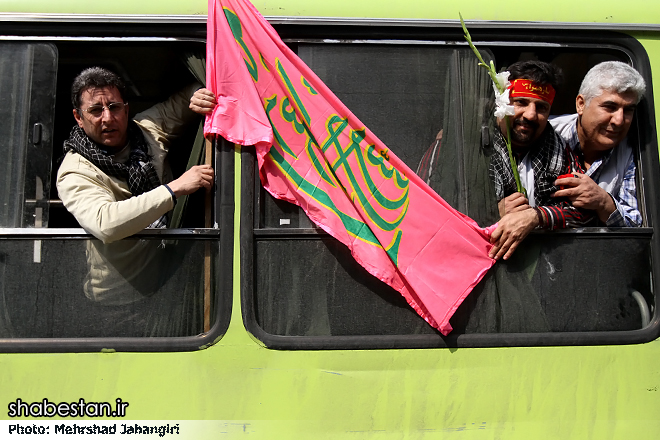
(431, 104)
(162, 283)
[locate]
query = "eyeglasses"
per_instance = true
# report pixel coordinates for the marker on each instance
(97, 110)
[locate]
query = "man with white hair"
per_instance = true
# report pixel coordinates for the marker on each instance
(605, 105)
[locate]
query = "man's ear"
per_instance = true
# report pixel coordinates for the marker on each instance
(78, 117)
(580, 104)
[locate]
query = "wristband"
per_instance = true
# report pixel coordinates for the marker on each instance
(541, 217)
(171, 192)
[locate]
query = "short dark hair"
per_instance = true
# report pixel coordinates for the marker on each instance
(537, 71)
(95, 77)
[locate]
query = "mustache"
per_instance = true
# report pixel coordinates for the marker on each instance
(522, 122)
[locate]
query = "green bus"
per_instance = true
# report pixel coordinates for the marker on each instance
(262, 326)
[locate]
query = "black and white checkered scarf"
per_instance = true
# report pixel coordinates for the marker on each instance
(139, 172)
(548, 160)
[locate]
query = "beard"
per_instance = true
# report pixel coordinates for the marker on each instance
(523, 131)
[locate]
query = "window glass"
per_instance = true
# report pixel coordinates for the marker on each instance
(27, 73)
(349, 301)
(432, 106)
(84, 288)
(560, 285)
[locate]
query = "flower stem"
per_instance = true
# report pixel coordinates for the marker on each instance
(493, 76)
(482, 63)
(512, 160)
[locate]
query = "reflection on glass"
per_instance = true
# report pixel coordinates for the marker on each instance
(83, 288)
(26, 71)
(553, 284)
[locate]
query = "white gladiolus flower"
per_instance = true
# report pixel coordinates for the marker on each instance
(501, 112)
(502, 80)
(502, 103)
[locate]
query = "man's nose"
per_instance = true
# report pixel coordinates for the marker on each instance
(617, 117)
(530, 112)
(106, 114)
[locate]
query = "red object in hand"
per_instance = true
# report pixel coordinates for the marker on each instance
(564, 176)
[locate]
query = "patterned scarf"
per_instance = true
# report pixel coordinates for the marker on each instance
(139, 172)
(548, 160)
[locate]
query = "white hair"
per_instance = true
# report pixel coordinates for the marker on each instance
(613, 76)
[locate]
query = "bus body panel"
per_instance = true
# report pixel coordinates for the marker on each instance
(561, 11)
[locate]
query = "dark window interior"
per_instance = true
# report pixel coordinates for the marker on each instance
(152, 71)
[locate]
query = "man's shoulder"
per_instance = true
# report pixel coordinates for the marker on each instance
(75, 164)
(556, 120)
(176, 106)
(564, 124)
(73, 161)
(566, 128)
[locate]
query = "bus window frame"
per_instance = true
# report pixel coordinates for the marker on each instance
(143, 29)
(648, 167)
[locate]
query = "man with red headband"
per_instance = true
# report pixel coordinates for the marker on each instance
(541, 157)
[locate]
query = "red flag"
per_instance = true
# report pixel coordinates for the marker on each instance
(314, 152)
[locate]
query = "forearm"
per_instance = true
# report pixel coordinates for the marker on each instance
(168, 119)
(112, 221)
(99, 213)
(624, 215)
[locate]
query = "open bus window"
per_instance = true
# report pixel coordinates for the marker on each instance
(61, 282)
(431, 104)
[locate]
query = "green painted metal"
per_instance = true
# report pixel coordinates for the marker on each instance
(651, 42)
(607, 11)
(167, 7)
(594, 11)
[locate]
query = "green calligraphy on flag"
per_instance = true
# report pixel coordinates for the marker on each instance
(354, 227)
(355, 161)
(237, 31)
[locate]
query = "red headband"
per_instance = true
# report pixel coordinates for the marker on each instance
(529, 89)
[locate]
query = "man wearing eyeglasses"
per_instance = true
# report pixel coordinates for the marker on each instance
(115, 181)
(113, 178)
